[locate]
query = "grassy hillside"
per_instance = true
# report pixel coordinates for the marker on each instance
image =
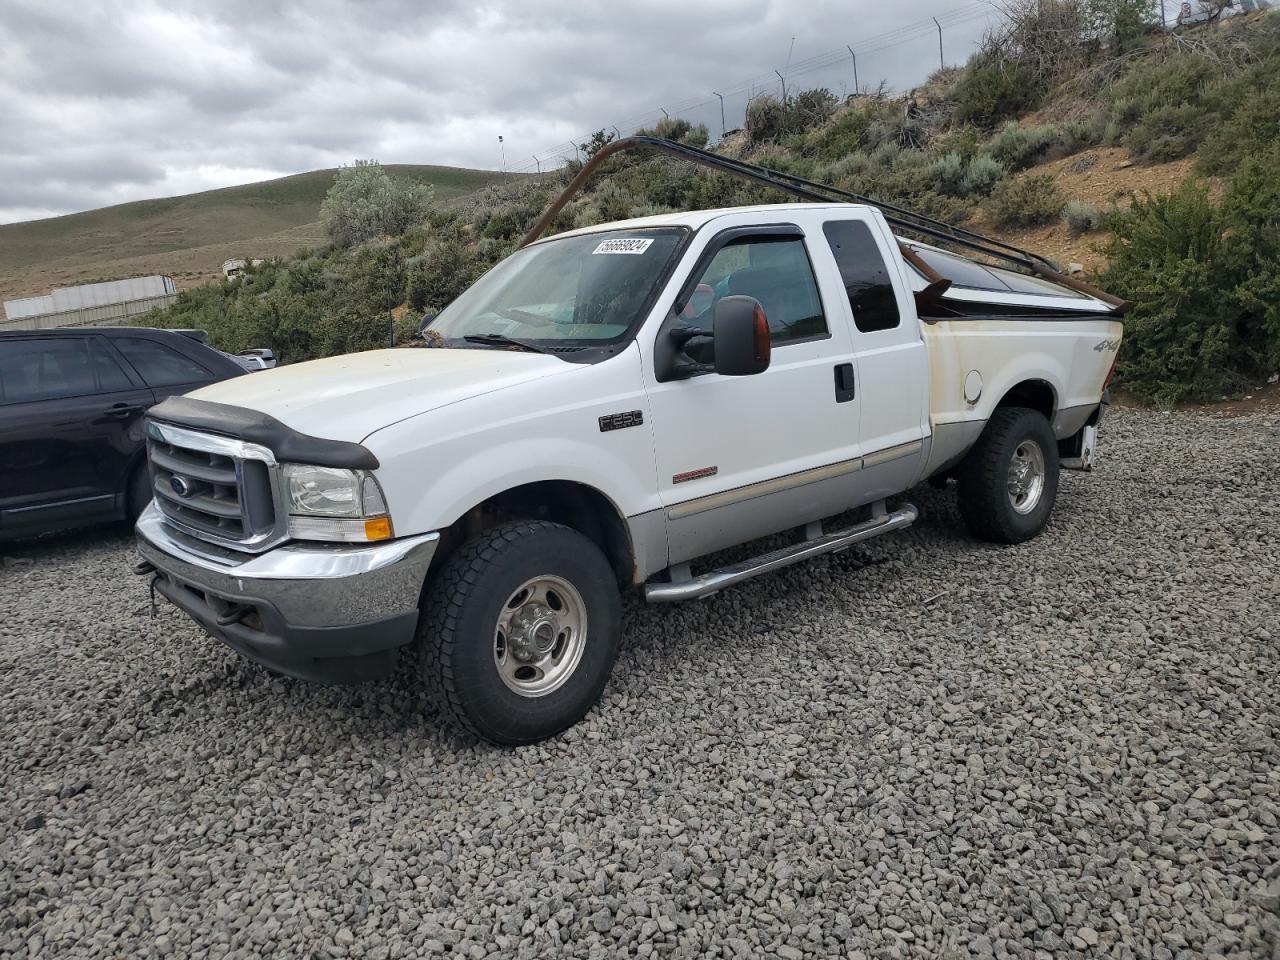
(187, 236)
(1047, 141)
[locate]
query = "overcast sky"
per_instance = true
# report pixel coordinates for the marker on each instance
(102, 103)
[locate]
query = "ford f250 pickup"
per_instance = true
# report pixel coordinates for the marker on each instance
(608, 409)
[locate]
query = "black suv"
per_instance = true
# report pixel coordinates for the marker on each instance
(72, 449)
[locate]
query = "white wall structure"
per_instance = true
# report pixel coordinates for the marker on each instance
(90, 304)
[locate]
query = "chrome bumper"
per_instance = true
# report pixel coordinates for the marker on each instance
(308, 610)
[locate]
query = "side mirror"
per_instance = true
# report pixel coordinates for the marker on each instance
(426, 321)
(741, 335)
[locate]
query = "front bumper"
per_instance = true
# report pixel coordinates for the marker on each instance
(329, 612)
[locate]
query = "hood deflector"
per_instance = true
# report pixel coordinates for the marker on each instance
(288, 445)
(899, 217)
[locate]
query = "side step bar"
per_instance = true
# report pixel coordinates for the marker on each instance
(714, 581)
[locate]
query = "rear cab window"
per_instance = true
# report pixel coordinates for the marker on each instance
(872, 298)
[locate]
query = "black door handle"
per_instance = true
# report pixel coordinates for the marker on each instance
(121, 410)
(844, 382)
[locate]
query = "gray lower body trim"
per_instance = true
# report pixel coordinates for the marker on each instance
(648, 544)
(717, 580)
(951, 441)
(1068, 421)
(725, 519)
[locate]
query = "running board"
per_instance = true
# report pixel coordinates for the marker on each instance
(716, 580)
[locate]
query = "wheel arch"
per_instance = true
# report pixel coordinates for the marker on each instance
(576, 505)
(1034, 394)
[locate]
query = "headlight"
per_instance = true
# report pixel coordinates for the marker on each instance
(329, 503)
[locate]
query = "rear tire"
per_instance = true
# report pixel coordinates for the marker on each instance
(139, 492)
(520, 632)
(1008, 483)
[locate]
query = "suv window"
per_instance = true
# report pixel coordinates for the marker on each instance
(775, 271)
(866, 279)
(160, 366)
(45, 369)
(111, 376)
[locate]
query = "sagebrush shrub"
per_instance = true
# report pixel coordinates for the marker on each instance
(367, 202)
(1168, 133)
(1027, 201)
(1018, 147)
(947, 173)
(981, 175)
(1081, 217)
(679, 130)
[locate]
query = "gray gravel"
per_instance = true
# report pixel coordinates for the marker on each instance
(1070, 752)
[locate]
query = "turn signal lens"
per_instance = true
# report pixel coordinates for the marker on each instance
(764, 345)
(378, 529)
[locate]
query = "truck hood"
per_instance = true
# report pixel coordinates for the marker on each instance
(350, 396)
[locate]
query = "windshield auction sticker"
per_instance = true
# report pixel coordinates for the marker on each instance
(623, 245)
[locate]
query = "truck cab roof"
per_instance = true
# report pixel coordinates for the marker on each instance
(974, 283)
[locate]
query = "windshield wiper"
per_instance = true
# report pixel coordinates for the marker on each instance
(502, 340)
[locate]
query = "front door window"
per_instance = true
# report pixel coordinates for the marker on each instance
(776, 272)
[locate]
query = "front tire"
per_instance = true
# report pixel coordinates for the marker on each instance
(520, 632)
(1008, 483)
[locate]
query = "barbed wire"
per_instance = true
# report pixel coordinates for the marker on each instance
(556, 156)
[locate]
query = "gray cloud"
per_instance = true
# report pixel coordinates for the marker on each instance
(102, 103)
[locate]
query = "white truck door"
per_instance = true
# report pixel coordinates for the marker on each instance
(891, 358)
(742, 457)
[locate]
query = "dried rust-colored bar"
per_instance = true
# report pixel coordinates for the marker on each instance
(824, 193)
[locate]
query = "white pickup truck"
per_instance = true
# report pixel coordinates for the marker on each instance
(606, 409)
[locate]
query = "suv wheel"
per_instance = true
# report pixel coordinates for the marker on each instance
(1008, 483)
(139, 493)
(520, 632)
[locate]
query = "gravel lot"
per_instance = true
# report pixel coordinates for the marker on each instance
(929, 747)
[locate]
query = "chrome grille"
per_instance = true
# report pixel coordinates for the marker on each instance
(215, 488)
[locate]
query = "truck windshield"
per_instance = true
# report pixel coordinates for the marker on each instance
(591, 288)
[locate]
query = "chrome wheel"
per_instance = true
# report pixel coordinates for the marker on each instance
(1026, 476)
(541, 633)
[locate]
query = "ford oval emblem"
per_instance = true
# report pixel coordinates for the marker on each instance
(180, 485)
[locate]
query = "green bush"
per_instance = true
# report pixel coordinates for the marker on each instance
(367, 202)
(1027, 201)
(991, 90)
(770, 119)
(1204, 285)
(1252, 125)
(1168, 133)
(1081, 217)
(813, 107)
(766, 119)
(440, 274)
(1160, 81)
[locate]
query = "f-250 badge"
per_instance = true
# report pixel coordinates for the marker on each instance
(1112, 345)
